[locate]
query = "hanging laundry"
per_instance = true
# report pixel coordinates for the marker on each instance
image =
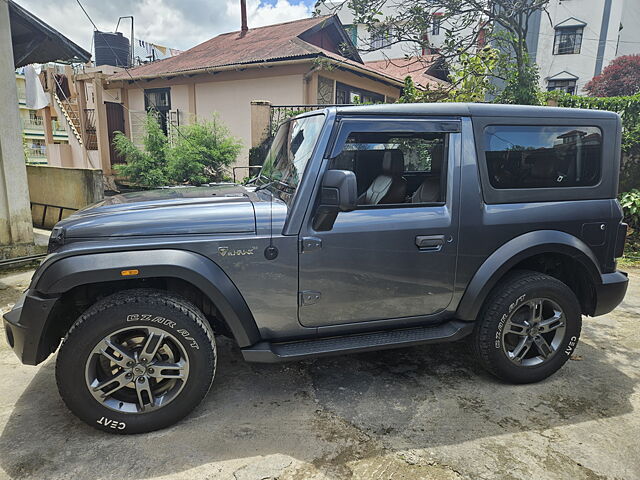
(34, 93)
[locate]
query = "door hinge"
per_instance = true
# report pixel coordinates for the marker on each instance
(308, 297)
(308, 244)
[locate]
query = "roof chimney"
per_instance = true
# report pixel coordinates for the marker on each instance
(243, 14)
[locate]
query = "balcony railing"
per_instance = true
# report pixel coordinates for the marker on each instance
(33, 123)
(56, 126)
(37, 152)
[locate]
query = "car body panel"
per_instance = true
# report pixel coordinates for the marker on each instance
(215, 237)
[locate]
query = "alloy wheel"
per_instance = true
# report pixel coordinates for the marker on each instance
(137, 369)
(533, 332)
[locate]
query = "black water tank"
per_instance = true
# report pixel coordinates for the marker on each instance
(111, 49)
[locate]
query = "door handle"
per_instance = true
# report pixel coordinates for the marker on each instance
(429, 242)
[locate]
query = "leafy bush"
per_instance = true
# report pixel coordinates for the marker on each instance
(145, 167)
(630, 202)
(201, 153)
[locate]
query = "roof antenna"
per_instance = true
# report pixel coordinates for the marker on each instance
(271, 252)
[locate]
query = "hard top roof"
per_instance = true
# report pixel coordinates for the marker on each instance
(473, 110)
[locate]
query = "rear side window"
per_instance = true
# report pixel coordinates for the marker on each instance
(522, 156)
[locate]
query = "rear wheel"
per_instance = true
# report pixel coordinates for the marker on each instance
(137, 361)
(528, 327)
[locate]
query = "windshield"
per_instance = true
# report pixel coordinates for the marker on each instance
(289, 153)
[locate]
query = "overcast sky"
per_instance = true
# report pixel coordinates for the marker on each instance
(178, 24)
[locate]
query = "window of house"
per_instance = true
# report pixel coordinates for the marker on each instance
(34, 119)
(352, 32)
(568, 86)
(158, 101)
(37, 148)
(568, 40)
(346, 94)
(325, 90)
(435, 30)
(542, 156)
(381, 38)
(396, 168)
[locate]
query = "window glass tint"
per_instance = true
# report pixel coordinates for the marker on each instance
(395, 168)
(537, 157)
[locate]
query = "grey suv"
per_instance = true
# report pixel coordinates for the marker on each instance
(369, 227)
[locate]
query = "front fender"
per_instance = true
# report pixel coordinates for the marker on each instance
(515, 251)
(64, 274)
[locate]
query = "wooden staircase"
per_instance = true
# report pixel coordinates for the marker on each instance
(72, 112)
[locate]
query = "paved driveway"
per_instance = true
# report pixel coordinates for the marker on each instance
(424, 412)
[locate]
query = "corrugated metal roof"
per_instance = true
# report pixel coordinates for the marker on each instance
(263, 44)
(258, 45)
(416, 67)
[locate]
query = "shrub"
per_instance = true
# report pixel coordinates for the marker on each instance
(145, 167)
(630, 202)
(202, 152)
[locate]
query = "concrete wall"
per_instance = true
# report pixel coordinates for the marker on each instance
(232, 101)
(630, 33)
(66, 187)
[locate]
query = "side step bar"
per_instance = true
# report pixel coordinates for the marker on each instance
(268, 352)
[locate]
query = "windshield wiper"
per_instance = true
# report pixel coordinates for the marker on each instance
(264, 185)
(272, 182)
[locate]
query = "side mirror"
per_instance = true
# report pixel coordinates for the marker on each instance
(339, 193)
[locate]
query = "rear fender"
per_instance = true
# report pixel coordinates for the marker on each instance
(515, 251)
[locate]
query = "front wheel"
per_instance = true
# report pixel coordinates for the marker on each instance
(136, 361)
(528, 327)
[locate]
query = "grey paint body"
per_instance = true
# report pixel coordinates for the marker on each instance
(367, 269)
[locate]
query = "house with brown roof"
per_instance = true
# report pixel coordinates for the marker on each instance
(305, 62)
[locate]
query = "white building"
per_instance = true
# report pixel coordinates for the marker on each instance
(581, 37)
(380, 44)
(571, 45)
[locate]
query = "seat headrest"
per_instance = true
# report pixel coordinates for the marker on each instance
(393, 162)
(437, 158)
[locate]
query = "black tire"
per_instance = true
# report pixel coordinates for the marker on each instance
(512, 295)
(181, 332)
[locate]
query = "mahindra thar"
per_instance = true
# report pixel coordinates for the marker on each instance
(368, 227)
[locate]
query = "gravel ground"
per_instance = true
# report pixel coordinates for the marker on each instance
(419, 413)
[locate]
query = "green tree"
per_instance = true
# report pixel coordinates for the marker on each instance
(504, 24)
(147, 166)
(521, 85)
(470, 80)
(202, 153)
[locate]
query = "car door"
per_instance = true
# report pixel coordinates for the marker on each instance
(395, 255)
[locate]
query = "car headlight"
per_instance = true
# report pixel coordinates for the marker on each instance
(56, 240)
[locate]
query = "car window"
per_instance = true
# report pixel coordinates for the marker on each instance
(520, 156)
(290, 151)
(395, 168)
